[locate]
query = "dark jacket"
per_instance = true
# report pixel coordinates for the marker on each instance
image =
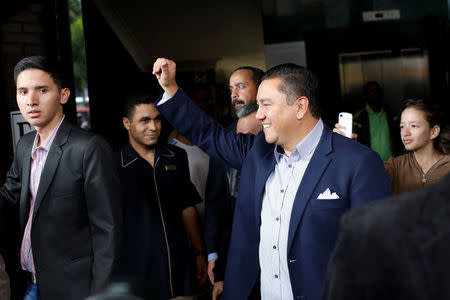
(76, 227)
(361, 127)
(224, 235)
(355, 172)
(156, 248)
(5, 289)
(216, 203)
(397, 248)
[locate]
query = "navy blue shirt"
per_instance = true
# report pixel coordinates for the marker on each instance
(155, 246)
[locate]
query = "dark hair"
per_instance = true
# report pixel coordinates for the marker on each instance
(247, 109)
(296, 81)
(365, 87)
(43, 63)
(434, 116)
(136, 98)
(257, 74)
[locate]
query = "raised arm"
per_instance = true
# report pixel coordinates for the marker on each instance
(194, 124)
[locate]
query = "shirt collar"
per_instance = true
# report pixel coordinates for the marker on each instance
(304, 147)
(129, 155)
(48, 142)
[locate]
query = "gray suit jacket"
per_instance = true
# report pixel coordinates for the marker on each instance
(76, 226)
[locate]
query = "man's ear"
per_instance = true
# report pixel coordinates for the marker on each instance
(126, 123)
(65, 93)
(302, 104)
(435, 131)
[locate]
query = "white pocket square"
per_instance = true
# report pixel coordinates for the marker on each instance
(327, 195)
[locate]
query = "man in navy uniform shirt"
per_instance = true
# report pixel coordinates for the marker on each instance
(160, 219)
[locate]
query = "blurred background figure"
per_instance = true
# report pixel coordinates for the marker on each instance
(375, 124)
(83, 121)
(394, 249)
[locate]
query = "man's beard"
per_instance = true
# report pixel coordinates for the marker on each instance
(246, 109)
(237, 101)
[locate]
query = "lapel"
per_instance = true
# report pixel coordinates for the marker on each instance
(24, 193)
(263, 171)
(317, 165)
(52, 162)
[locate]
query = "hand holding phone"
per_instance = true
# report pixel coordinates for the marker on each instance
(346, 121)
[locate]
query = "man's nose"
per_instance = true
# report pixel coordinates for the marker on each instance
(259, 114)
(152, 125)
(32, 99)
(234, 94)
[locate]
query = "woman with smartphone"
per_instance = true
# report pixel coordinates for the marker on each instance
(427, 142)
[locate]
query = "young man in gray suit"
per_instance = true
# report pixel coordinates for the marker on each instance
(64, 182)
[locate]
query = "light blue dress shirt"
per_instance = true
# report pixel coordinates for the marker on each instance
(280, 190)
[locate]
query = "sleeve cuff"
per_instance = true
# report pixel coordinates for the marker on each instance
(213, 255)
(163, 100)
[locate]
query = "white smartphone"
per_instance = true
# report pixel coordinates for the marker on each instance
(346, 121)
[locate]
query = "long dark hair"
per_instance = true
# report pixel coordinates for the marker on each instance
(434, 116)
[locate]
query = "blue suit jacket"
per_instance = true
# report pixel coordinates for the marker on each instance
(355, 172)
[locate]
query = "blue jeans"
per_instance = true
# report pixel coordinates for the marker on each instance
(32, 292)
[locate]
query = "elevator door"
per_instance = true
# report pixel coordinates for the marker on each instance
(402, 75)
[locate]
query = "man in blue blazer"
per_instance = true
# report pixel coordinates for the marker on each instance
(297, 179)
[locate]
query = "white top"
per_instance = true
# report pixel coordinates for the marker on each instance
(198, 170)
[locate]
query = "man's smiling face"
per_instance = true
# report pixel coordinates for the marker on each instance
(277, 117)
